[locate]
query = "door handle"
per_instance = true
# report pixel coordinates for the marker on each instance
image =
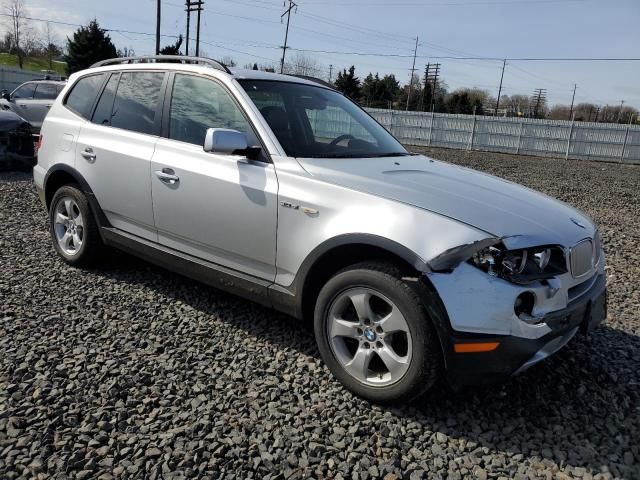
(168, 176)
(88, 154)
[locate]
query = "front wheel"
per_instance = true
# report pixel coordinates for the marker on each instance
(374, 333)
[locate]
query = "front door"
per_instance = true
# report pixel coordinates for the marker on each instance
(114, 149)
(218, 207)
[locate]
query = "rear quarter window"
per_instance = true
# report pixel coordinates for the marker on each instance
(83, 94)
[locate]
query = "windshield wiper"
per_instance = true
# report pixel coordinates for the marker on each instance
(360, 155)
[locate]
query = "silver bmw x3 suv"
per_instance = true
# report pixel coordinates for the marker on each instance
(282, 190)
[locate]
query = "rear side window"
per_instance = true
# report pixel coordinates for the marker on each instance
(102, 115)
(24, 91)
(46, 91)
(136, 103)
(83, 94)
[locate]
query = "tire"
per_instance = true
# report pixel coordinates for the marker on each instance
(417, 361)
(73, 228)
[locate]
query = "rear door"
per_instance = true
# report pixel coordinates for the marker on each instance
(114, 150)
(220, 207)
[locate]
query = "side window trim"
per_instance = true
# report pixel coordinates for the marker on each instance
(95, 100)
(166, 113)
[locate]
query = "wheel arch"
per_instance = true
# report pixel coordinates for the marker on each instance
(62, 174)
(339, 252)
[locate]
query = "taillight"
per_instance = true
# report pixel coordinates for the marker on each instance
(39, 143)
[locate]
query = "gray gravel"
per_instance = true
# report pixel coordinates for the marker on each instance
(128, 371)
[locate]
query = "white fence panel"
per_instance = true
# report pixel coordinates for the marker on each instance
(526, 136)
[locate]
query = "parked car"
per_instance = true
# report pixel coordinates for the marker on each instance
(32, 100)
(17, 150)
(284, 191)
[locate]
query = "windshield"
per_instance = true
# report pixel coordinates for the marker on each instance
(312, 121)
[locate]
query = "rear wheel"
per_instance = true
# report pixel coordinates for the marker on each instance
(73, 229)
(374, 333)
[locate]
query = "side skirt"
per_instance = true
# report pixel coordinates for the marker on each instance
(212, 274)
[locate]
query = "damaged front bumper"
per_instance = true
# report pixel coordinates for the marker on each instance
(516, 354)
(480, 311)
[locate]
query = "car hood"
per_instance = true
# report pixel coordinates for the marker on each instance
(520, 216)
(10, 120)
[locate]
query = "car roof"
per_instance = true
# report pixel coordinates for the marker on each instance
(235, 73)
(55, 82)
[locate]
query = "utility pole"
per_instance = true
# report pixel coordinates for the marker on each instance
(331, 73)
(504, 64)
(158, 8)
(539, 95)
(435, 71)
(292, 5)
(193, 6)
(200, 7)
(188, 4)
(426, 84)
(573, 97)
(413, 69)
(620, 112)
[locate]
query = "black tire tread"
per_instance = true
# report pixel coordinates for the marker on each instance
(396, 277)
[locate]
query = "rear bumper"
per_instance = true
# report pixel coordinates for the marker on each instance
(515, 354)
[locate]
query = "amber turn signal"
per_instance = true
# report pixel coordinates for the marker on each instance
(475, 347)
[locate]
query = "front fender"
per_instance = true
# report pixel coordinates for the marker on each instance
(314, 215)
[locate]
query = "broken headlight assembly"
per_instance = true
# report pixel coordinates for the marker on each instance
(521, 266)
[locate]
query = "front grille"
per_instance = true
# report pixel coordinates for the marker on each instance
(582, 258)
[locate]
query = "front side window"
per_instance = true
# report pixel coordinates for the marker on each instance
(198, 104)
(83, 94)
(136, 103)
(312, 121)
(24, 91)
(46, 91)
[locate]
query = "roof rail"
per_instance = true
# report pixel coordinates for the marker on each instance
(313, 79)
(164, 59)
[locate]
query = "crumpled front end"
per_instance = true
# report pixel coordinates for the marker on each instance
(506, 313)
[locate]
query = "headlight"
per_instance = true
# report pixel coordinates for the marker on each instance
(521, 266)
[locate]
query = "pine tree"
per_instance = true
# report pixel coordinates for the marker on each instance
(173, 49)
(89, 44)
(348, 83)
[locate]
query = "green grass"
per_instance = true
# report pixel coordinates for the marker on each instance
(32, 63)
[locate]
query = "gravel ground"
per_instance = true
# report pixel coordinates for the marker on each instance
(128, 371)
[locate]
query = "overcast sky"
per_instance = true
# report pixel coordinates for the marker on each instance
(250, 31)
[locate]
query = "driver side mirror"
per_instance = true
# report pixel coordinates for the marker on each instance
(6, 95)
(225, 140)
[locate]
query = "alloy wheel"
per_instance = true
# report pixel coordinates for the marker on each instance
(68, 225)
(369, 336)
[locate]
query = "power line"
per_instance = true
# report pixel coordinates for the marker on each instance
(442, 4)
(390, 55)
